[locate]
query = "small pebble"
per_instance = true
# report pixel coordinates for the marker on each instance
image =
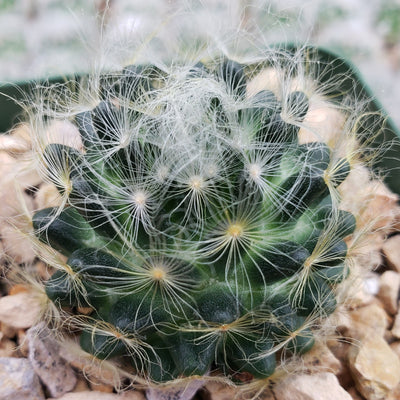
(99, 386)
(321, 386)
(63, 132)
(54, 371)
(395, 346)
(16, 245)
(321, 358)
(355, 395)
(19, 311)
(92, 368)
(375, 367)
(391, 250)
(371, 318)
(18, 381)
(23, 345)
(82, 385)
(396, 326)
(94, 395)
(183, 392)
(389, 291)
(47, 196)
(8, 348)
(13, 145)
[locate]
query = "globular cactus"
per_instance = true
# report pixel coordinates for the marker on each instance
(199, 230)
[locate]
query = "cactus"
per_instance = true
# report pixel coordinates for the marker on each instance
(199, 230)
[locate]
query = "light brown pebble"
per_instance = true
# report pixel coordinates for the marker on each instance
(389, 291)
(54, 372)
(81, 385)
(353, 189)
(18, 381)
(13, 198)
(43, 271)
(340, 349)
(363, 292)
(95, 395)
(8, 348)
(355, 395)
(18, 288)
(363, 321)
(396, 326)
(324, 119)
(395, 346)
(26, 176)
(388, 336)
(16, 244)
(23, 345)
(265, 79)
(391, 251)
(85, 310)
(63, 132)
(15, 177)
(320, 358)
(182, 391)
(15, 173)
(369, 255)
(99, 386)
(375, 367)
(13, 144)
(8, 331)
(22, 131)
(19, 311)
(220, 391)
(394, 394)
(396, 226)
(381, 210)
(89, 365)
(2, 254)
(7, 165)
(47, 196)
(322, 386)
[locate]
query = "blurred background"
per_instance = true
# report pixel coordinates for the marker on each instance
(44, 38)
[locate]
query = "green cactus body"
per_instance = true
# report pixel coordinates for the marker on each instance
(201, 232)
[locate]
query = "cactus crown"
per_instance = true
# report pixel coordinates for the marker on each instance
(198, 228)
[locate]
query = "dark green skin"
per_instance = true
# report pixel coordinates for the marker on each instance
(297, 104)
(60, 160)
(67, 233)
(138, 80)
(160, 366)
(86, 199)
(217, 304)
(334, 274)
(233, 75)
(342, 170)
(98, 267)
(243, 355)
(138, 313)
(101, 345)
(191, 355)
(60, 290)
(263, 108)
(283, 260)
(302, 342)
(86, 129)
(105, 121)
(307, 186)
(316, 295)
